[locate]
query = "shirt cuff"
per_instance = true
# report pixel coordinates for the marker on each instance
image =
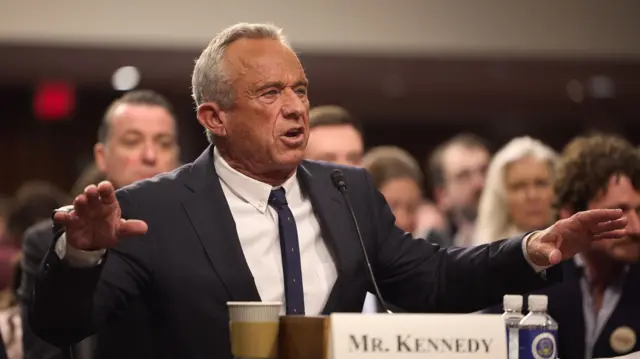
(525, 240)
(77, 257)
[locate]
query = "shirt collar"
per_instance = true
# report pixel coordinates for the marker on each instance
(248, 189)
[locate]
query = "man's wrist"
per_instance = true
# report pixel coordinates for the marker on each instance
(77, 257)
(529, 251)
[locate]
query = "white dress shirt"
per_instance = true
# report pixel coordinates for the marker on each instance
(594, 322)
(257, 226)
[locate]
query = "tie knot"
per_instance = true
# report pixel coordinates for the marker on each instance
(277, 197)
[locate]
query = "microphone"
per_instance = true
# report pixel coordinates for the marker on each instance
(337, 177)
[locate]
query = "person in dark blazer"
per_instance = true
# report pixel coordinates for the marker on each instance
(137, 138)
(597, 304)
(249, 220)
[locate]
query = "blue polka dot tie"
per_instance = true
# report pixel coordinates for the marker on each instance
(294, 294)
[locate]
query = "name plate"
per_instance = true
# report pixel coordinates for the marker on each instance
(436, 336)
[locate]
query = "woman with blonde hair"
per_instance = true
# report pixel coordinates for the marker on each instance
(518, 194)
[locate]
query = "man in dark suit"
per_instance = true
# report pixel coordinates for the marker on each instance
(601, 291)
(249, 220)
(597, 304)
(137, 139)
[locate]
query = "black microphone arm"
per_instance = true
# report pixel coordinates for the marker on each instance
(337, 177)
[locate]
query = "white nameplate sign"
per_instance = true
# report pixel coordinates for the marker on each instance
(433, 336)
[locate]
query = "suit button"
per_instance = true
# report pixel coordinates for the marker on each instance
(46, 267)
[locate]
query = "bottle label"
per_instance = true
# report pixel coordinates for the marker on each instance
(512, 343)
(538, 344)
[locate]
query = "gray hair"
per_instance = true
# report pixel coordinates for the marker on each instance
(493, 218)
(210, 82)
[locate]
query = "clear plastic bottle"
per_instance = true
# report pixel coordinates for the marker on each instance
(538, 337)
(512, 316)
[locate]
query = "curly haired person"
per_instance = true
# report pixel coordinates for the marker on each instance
(597, 304)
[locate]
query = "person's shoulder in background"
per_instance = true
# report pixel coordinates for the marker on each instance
(35, 243)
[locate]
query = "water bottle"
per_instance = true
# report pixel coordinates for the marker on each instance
(538, 337)
(512, 316)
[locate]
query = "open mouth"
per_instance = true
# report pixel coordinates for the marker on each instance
(294, 137)
(294, 132)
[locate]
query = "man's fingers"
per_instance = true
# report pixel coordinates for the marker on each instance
(615, 234)
(81, 206)
(63, 218)
(93, 198)
(602, 227)
(550, 252)
(594, 216)
(107, 192)
(132, 227)
(555, 256)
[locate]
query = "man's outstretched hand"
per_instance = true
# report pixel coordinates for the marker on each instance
(568, 237)
(95, 222)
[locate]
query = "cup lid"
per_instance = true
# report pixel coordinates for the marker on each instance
(256, 304)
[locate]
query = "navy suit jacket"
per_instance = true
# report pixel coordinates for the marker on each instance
(565, 307)
(127, 337)
(190, 263)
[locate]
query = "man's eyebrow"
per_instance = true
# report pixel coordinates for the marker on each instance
(280, 85)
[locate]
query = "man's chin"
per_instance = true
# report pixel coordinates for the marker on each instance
(290, 158)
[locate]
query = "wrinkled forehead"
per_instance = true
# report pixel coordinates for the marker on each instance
(256, 60)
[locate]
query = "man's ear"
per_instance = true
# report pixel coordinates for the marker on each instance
(99, 156)
(212, 118)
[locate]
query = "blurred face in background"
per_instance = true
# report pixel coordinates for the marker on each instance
(404, 197)
(141, 143)
(428, 217)
(464, 170)
(341, 144)
(529, 185)
(620, 194)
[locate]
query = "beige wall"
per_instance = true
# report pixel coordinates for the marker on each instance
(479, 27)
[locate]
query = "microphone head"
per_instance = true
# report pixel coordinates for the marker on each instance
(337, 177)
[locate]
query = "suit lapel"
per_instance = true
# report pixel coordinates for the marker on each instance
(335, 224)
(213, 222)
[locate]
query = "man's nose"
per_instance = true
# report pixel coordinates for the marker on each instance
(477, 180)
(149, 154)
(633, 226)
(294, 106)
